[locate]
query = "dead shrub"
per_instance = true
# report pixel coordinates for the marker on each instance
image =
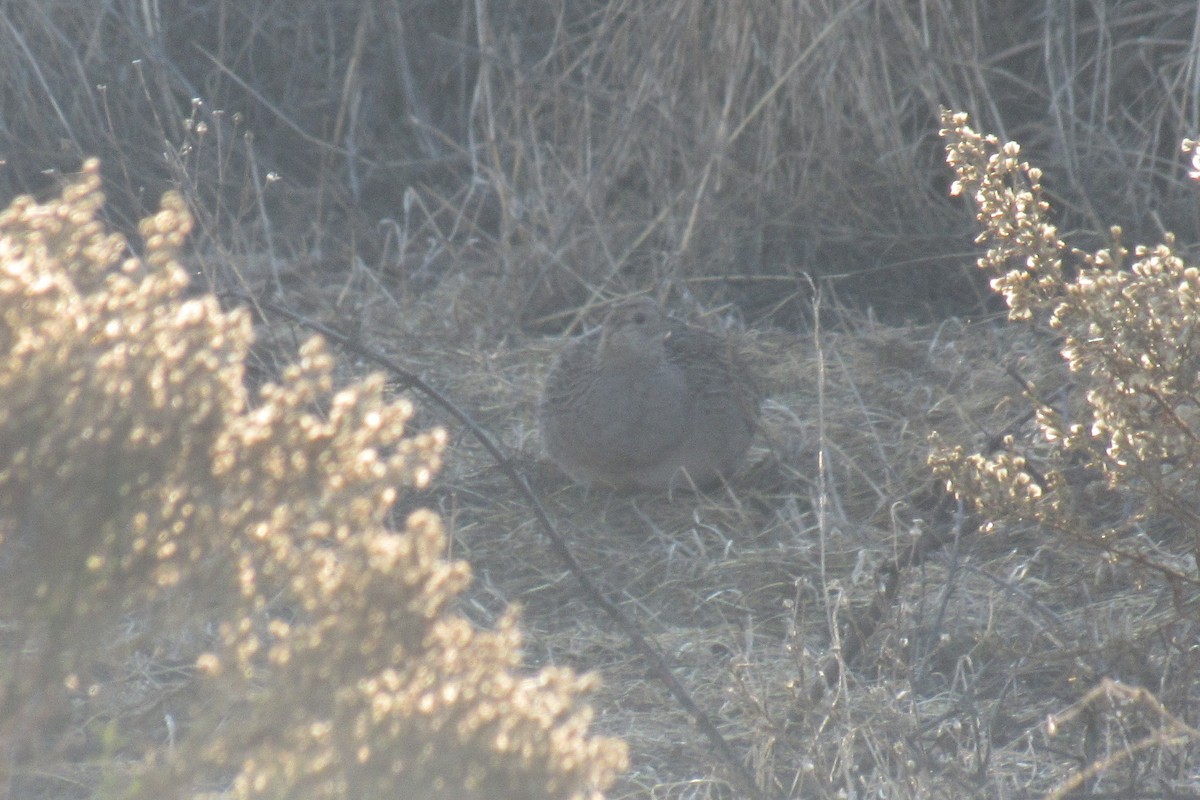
(137, 479)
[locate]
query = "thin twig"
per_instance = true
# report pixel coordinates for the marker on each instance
(642, 644)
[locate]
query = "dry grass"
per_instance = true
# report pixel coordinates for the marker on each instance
(600, 147)
(746, 591)
(452, 193)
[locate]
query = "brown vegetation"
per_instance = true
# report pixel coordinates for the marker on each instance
(551, 152)
(137, 481)
(446, 182)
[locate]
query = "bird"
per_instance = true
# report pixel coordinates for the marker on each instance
(647, 402)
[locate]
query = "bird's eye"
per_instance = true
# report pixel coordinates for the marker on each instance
(639, 318)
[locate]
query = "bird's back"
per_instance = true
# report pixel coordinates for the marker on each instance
(663, 405)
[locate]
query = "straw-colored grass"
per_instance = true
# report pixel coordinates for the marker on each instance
(459, 185)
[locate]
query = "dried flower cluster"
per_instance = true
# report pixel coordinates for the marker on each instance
(1024, 251)
(1130, 337)
(132, 466)
(113, 390)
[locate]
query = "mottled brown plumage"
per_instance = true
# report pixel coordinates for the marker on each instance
(648, 402)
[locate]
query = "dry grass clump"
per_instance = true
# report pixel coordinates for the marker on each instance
(536, 154)
(137, 482)
(443, 179)
(748, 590)
(754, 591)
